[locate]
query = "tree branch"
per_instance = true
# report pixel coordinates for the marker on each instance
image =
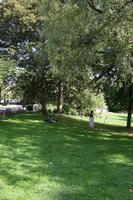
(91, 5)
(98, 10)
(127, 3)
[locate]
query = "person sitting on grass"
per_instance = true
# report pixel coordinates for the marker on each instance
(49, 119)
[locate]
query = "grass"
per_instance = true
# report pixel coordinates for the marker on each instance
(65, 161)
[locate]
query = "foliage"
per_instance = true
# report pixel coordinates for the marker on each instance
(117, 98)
(65, 24)
(20, 23)
(36, 81)
(62, 31)
(82, 101)
(92, 34)
(6, 70)
(20, 35)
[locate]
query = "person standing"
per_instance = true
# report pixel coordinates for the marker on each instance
(91, 119)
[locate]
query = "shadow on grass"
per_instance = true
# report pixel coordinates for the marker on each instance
(88, 164)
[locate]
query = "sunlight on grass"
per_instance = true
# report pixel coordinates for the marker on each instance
(118, 158)
(113, 119)
(63, 161)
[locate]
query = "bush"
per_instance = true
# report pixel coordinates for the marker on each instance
(73, 111)
(66, 108)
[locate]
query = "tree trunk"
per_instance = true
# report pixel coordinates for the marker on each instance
(44, 107)
(130, 105)
(43, 96)
(60, 97)
(43, 101)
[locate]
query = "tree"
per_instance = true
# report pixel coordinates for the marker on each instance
(19, 37)
(62, 33)
(36, 83)
(115, 63)
(20, 23)
(96, 34)
(6, 71)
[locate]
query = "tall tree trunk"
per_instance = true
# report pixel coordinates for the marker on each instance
(130, 106)
(44, 107)
(43, 98)
(60, 97)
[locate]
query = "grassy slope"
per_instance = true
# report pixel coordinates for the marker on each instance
(65, 161)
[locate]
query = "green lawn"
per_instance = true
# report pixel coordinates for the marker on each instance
(65, 161)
